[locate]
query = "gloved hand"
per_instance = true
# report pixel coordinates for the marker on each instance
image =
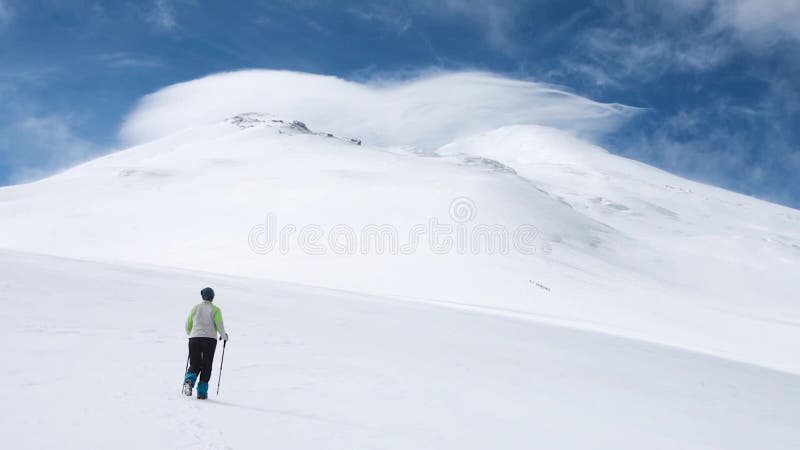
(224, 338)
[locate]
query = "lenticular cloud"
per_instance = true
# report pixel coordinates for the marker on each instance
(426, 112)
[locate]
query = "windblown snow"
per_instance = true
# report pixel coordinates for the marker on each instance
(437, 263)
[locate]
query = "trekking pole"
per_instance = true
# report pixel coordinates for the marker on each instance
(219, 379)
(185, 372)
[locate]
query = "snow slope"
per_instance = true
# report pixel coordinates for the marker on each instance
(622, 248)
(95, 353)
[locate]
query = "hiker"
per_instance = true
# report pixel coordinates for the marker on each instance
(202, 326)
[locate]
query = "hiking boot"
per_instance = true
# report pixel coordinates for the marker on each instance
(187, 388)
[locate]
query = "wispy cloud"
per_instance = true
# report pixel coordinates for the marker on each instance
(125, 60)
(5, 14)
(394, 20)
(724, 155)
(496, 18)
(615, 56)
(162, 15)
(642, 41)
(37, 146)
(754, 21)
(692, 34)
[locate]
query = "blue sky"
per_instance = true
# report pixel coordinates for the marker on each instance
(719, 81)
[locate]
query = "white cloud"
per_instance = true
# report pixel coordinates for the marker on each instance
(126, 60)
(427, 111)
(162, 15)
(39, 145)
(753, 21)
(761, 19)
(56, 133)
(623, 54)
(5, 14)
(644, 40)
(686, 40)
(382, 14)
(496, 18)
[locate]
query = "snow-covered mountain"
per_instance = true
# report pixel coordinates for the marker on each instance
(485, 197)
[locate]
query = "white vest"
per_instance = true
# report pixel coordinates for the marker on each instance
(205, 320)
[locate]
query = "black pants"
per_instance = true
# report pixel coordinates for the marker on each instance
(201, 356)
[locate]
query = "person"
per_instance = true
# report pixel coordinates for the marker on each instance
(202, 326)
